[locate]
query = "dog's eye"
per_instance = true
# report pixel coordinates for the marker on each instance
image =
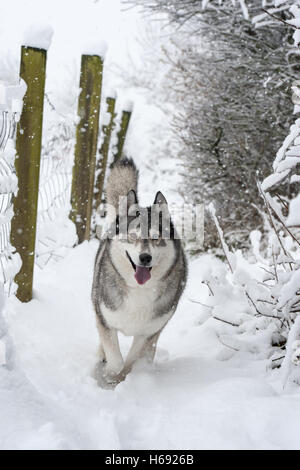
(132, 237)
(155, 237)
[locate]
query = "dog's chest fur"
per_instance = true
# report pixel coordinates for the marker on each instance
(136, 315)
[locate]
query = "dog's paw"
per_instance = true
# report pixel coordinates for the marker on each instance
(102, 378)
(98, 370)
(112, 369)
(108, 377)
(109, 382)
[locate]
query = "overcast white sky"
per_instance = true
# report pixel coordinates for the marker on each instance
(75, 23)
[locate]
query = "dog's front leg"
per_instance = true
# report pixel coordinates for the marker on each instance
(110, 346)
(142, 347)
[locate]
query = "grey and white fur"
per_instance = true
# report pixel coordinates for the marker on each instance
(138, 280)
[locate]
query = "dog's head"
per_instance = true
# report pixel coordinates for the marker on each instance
(144, 240)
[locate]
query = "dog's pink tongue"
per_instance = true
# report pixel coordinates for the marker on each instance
(142, 274)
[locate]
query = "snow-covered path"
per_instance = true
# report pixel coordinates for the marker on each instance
(190, 398)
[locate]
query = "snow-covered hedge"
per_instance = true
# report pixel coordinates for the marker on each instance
(229, 83)
(281, 193)
(227, 141)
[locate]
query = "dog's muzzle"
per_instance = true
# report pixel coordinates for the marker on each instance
(142, 271)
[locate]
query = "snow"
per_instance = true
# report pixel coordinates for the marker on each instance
(111, 93)
(296, 37)
(95, 48)
(291, 348)
(294, 132)
(211, 385)
(288, 163)
(294, 212)
(2, 93)
(289, 289)
(128, 106)
(199, 394)
(2, 353)
(244, 9)
(38, 35)
(229, 256)
(295, 178)
(11, 97)
(273, 179)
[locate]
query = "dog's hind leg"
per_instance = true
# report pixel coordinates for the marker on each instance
(150, 347)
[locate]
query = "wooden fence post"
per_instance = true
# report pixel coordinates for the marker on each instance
(86, 144)
(121, 135)
(28, 147)
(107, 129)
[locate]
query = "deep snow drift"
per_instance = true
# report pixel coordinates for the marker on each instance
(198, 393)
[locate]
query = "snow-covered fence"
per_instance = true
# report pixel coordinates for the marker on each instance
(55, 231)
(47, 178)
(7, 127)
(82, 194)
(122, 131)
(107, 128)
(10, 107)
(28, 145)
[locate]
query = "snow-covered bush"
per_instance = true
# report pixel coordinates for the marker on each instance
(280, 191)
(236, 301)
(270, 286)
(274, 298)
(247, 297)
(282, 282)
(233, 93)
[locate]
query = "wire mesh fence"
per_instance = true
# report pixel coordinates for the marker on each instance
(10, 105)
(55, 232)
(7, 127)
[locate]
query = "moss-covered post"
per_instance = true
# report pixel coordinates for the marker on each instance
(28, 147)
(86, 144)
(121, 135)
(106, 130)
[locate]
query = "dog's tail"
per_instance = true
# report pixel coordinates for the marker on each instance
(122, 178)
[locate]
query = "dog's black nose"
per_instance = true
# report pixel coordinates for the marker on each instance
(145, 259)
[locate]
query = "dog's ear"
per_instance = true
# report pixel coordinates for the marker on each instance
(160, 199)
(131, 199)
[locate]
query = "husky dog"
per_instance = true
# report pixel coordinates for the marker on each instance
(139, 275)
